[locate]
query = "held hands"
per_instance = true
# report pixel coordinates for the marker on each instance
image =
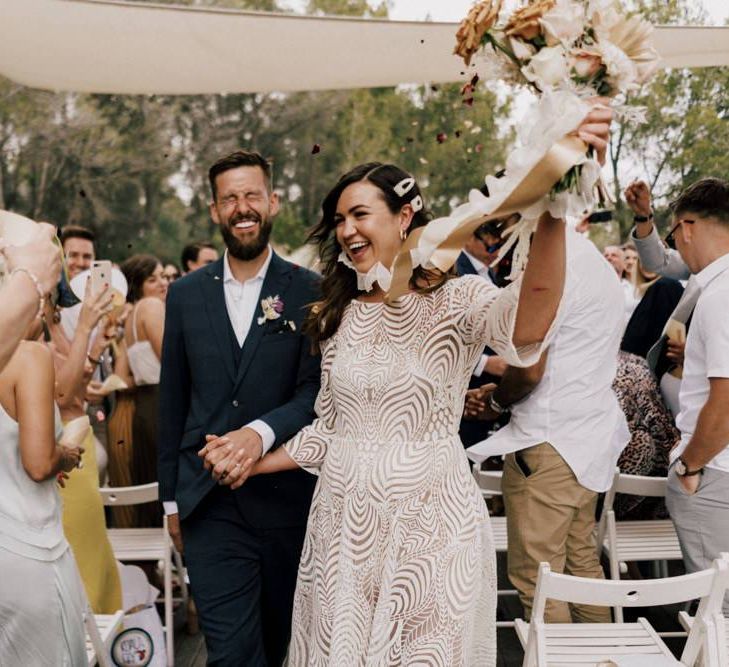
(638, 197)
(595, 129)
(40, 256)
(230, 457)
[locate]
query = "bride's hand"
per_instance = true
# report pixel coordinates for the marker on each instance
(595, 129)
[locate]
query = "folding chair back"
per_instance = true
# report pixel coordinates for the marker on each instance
(706, 633)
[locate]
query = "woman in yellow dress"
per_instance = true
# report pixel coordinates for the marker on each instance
(83, 512)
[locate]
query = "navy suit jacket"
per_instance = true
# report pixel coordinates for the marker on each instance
(464, 266)
(203, 392)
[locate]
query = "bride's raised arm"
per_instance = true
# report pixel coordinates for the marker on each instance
(543, 280)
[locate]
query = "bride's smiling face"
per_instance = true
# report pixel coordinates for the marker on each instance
(366, 229)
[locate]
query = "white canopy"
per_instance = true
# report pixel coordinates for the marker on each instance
(109, 46)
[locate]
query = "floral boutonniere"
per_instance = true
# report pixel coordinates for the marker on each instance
(273, 308)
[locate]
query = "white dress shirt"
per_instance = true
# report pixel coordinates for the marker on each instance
(706, 354)
(574, 407)
(241, 302)
(480, 267)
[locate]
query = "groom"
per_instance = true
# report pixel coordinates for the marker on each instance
(235, 365)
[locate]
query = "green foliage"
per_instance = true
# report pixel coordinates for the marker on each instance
(686, 133)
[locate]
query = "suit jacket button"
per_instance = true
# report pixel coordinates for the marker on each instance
(235, 402)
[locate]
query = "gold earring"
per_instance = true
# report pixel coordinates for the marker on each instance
(403, 234)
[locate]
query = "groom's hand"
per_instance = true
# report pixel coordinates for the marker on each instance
(231, 455)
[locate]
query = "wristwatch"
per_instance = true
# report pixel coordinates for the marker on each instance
(496, 406)
(683, 471)
(643, 218)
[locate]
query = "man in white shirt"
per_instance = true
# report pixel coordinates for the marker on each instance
(565, 434)
(237, 372)
(698, 481)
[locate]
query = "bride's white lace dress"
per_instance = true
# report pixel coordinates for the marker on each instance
(398, 566)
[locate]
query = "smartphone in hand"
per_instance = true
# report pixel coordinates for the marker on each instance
(100, 275)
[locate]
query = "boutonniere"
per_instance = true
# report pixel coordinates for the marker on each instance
(273, 307)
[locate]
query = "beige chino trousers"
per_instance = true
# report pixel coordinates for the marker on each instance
(550, 518)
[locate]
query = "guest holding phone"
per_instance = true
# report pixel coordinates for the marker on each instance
(84, 522)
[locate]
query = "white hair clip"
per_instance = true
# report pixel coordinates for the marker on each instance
(404, 186)
(417, 203)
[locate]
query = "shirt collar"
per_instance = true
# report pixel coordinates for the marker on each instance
(477, 263)
(228, 276)
(708, 273)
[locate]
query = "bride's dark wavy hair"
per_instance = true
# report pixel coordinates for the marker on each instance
(339, 285)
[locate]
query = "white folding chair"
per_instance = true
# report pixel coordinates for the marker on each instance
(147, 544)
(592, 643)
(100, 632)
(687, 622)
(625, 541)
(489, 481)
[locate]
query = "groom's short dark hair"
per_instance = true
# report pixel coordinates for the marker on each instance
(239, 159)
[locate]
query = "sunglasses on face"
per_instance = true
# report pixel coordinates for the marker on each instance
(671, 236)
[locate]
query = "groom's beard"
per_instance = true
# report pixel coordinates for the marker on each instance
(253, 247)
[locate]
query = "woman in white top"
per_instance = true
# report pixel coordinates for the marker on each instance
(41, 596)
(143, 337)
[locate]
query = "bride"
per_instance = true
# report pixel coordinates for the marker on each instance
(398, 566)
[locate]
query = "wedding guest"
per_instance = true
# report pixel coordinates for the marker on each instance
(171, 272)
(652, 434)
(650, 316)
(84, 523)
(78, 248)
(233, 368)
(665, 261)
(697, 496)
(33, 270)
(615, 257)
(630, 258)
(143, 332)
(41, 601)
(564, 437)
(198, 254)
(393, 478)
(120, 425)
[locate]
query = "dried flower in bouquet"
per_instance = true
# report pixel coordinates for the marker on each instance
(480, 19)
(526, 22)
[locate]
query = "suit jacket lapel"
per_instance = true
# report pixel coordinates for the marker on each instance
(218, 313)
(275, 283)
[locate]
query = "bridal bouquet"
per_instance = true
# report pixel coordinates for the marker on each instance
(587, 46)
(566, 51)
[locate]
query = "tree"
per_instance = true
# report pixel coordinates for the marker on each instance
(686, 133)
